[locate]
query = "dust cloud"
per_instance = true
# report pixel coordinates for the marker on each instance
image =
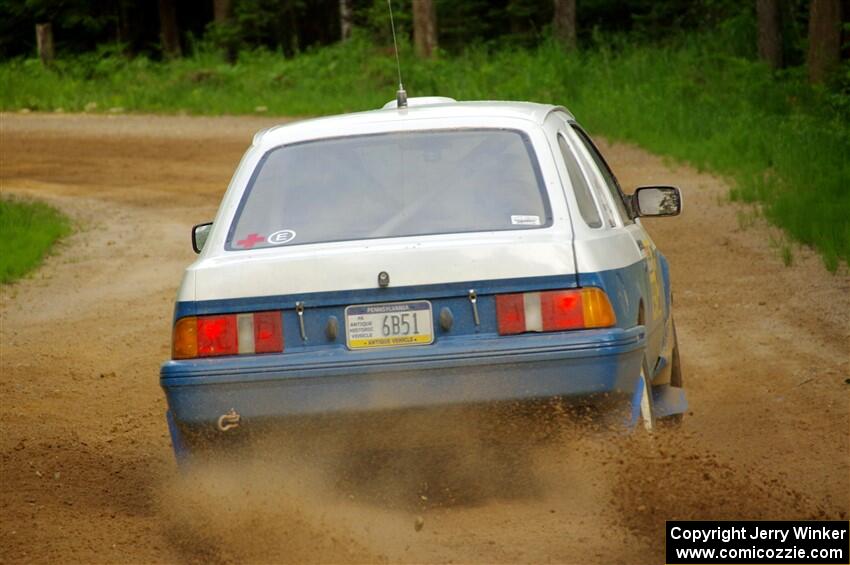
(405, 487)
(366, 489)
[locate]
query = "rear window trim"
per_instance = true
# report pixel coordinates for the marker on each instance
(526, 139)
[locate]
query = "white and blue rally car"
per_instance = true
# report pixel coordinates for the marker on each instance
(441, 253)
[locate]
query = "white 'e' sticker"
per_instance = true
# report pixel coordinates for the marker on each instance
(280, 237)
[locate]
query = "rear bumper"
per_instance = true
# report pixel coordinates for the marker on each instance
(467, 370)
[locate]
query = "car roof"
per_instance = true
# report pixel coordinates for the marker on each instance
(431, 108)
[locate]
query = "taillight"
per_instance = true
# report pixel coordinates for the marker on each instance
(185, 342)
(268, 335)
(510, 313)
(217, 335)
(228, 334)
(554, 310)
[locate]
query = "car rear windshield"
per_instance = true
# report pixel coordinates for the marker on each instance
(392, 185)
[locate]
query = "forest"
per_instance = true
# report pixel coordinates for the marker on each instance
(757, 91)
(171, 28)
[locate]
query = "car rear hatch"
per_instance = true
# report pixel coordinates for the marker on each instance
(451, 218)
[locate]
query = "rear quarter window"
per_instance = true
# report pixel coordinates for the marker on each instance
(611, 183)
(586, 205)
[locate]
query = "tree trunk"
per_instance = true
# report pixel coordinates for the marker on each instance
(295, 37)
(222, 17)
(345, 19)
(564, 23)
(44, 42)
(168, 31)
(424, 27)
(122, 25)
(770, 32)
(222, 10)
(824, 38)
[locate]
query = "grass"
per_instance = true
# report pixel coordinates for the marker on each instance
(27, 232)
(787, 255)
(782, 143)
(746, 219)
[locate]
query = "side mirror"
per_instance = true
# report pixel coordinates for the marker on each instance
(200, 233)
(657, 201)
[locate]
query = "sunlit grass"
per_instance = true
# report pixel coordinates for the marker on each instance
(27, 232)
(781, 142)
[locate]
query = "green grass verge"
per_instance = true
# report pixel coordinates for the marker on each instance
(27, 232)
(782, 143)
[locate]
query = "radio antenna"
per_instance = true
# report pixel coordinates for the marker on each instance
(401, 95)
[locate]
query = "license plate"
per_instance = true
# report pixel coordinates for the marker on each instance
(395, 324)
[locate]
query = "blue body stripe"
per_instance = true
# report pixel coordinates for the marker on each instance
(621, 285)
(367, 295)
(665, 275)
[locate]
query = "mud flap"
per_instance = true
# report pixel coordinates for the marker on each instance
(668, 400)
(636, 398)
(177, 443)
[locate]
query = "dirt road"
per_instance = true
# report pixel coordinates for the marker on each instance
(85, 463)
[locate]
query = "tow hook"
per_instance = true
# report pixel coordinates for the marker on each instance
(229, 421)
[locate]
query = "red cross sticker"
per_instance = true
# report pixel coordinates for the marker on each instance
(250, 241)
